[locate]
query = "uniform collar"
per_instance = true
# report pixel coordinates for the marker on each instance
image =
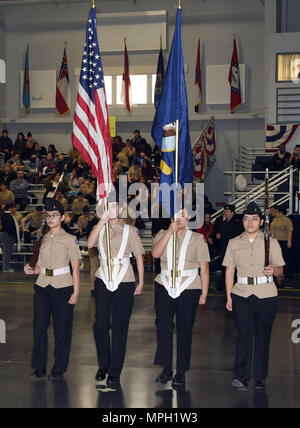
(259, 236)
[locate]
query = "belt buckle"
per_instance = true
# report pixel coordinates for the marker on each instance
(250, 280)
(49, 272)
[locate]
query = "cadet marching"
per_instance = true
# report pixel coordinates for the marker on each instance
(252, 299)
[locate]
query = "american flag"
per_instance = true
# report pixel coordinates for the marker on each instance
(91, 131)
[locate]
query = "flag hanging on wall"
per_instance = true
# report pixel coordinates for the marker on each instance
(204, 151)
(198, 86)
(279, 134)
(234, 80)
(126, 86)
(63, 87)
(160, 76)
(91, 131)
(26, 83)
(173, 106)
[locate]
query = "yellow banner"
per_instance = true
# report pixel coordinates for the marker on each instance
(113, 126)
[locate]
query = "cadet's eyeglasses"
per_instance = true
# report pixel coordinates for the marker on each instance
(54, 216)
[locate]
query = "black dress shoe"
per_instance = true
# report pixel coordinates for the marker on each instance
(56, 376)
(100, 375)
(259, 385)
(178, 380)
(240, 383)
(113, 380)
(165, 375)
(39, 373)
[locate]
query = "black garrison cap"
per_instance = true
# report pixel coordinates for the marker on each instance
(54, 205)
(229, 207)
(252, 208)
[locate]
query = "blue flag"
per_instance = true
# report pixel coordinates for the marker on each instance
(173, 105)
(26, 84)
(160, 76)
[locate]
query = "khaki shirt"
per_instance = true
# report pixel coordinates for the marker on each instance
(87, 189)
(64, 203)
(134, 246)
(57, 252)
(83, 221)
(6, 196)
(197, 251)
(280, 227)
(249, 260)
(19, 217)
(36, 220)
(123, 159)
(77, 206)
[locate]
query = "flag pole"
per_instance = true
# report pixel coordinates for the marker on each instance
(93, 4)
(109, 260)
(174, 271)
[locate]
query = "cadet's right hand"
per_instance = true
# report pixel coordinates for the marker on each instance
(173, 227)
(229, 304)
(28, 270)
(105, 217)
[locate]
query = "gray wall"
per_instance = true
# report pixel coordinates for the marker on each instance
(46, 27)
(2, 56)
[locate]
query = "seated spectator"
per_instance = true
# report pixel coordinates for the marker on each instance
(129, 151)
(48, 164)
(295, 157)
(147, 169)
(134, 172)
(62, 163)
(7, 174)
(51, 184)
(77, 207)
(141, 157)
(73, 153)
(36, 219)
(6, 145)
(36, 157)
(5, 195)
(9, 235)
(87, 188)
(281, 159)
(116, 174)
(52, 149)
(83, 221)
(207, 231)
(19, 187)
(140, 144)
(60, 197)
(118, 144)
(28, 147)
(123, 159)
(16, 163)
(20, 144)
(74, 183)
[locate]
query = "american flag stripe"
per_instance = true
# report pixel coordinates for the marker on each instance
(91, 132)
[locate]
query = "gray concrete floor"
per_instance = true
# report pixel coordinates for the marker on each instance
(208, 382)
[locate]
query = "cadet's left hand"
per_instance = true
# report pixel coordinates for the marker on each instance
(73, 299)
(138, 289)
(202, 299)
(269, 270)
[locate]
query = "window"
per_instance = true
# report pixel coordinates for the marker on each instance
(288, 67)
(138, 88)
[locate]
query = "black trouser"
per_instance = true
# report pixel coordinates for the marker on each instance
(185, 308)
(53, 301)
(113, 309)
(8, 243)
(254, 319)
(286, 254)
(27, 235)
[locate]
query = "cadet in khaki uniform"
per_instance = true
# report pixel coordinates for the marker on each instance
(191, 252)
(5, 194)
(114, 300)
(56, 293)
(253, 299)
(77, 207)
